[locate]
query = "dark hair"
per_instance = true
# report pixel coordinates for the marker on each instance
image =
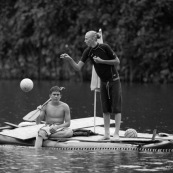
(98, 35)
(56, 89)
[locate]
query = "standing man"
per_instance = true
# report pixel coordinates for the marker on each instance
(57, 116)
(105, 62)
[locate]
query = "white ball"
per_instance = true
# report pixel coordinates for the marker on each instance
(131, 133)
(26, 85)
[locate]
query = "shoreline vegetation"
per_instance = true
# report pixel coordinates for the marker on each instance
(33, 34)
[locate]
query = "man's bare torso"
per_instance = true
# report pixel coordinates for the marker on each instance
(55, 113)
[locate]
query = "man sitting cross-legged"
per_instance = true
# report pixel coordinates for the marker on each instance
(56, 114)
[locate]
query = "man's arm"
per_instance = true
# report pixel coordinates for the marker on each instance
(115, 61)
(76, 66)
(41, 117)
(67, 117)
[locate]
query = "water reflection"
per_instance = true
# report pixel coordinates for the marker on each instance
(24, 159)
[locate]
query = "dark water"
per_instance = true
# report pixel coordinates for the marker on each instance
(28, 160)
(145, 107)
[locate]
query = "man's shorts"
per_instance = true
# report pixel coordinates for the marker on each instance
(63, 132)
(111, 96)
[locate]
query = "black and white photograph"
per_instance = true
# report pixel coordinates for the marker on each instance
(86, 86)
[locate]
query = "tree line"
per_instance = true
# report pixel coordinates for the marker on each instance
(33, 34)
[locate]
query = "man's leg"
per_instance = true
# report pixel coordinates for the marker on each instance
(117, 126)
(106, 117)
(62, 133)
(42, 134)
(38, 142)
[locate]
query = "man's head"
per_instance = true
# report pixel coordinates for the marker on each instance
(91, 38)
(55, 93)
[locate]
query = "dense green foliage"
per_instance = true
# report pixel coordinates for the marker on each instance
(33, 33)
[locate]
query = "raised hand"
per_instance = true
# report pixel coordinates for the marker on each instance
(65, 56)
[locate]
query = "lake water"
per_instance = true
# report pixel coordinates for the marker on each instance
(145, 108)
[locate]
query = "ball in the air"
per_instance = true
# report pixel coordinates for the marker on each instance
(131, 133)
(26, 85)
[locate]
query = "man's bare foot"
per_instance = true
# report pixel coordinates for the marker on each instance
(104, 138)
(115, 138)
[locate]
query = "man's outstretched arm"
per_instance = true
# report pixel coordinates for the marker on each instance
(76, 66)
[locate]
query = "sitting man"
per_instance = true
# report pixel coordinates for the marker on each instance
(57, 116)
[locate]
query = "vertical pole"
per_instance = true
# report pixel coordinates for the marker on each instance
(95, 101)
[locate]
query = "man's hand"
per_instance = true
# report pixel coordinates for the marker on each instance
(97, 59)
(65, 56)
(39, 107)
(53, 128)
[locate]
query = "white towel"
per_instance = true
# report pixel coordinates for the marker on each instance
(95, 80)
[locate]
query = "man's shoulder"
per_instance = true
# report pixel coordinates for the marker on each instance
(64, 104)
(106, 47)
(103, 45)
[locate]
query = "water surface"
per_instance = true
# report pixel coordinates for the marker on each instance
(28, 160)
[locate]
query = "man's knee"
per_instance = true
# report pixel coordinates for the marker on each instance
(69, 133)
(66, 133)
(42, 133)
(106, 114)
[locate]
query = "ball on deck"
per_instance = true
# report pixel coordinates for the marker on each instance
(26, 85)
(131, 133)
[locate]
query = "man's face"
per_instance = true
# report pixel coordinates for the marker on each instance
(55, 96)
(88, 39)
